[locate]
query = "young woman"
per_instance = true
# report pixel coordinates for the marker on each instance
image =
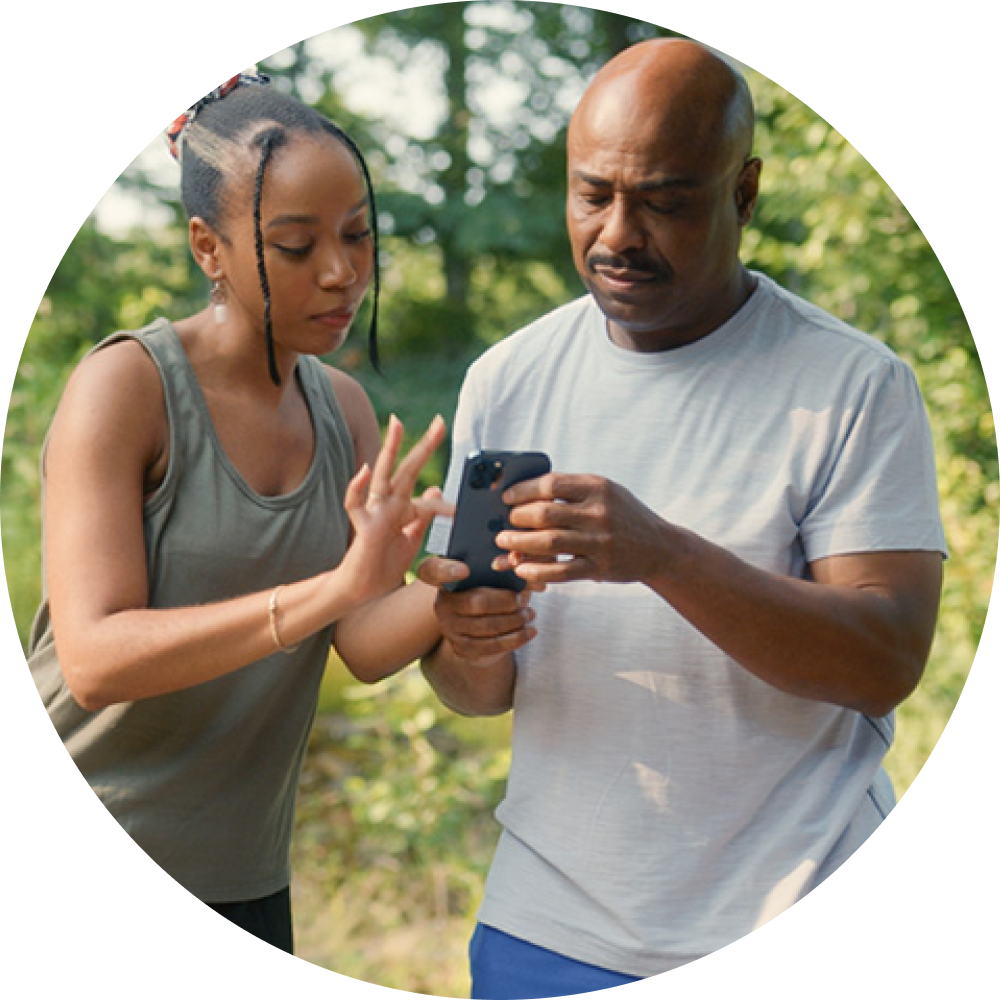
(217, 504)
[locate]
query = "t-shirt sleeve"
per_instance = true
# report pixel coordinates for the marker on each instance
(880, 489)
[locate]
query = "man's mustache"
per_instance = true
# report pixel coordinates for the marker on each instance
(621, 262)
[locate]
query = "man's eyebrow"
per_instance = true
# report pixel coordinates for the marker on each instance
(653, 184)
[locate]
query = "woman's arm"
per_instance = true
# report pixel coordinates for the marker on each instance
(109, 431)
(388, 634)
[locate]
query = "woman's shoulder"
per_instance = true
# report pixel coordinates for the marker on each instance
(114, 393)
(346, 388)
(357, 410)
(118, 370)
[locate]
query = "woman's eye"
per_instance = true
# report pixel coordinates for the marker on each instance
(293, 251)
(358, 236)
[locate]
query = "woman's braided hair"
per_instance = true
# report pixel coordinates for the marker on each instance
(245, 114)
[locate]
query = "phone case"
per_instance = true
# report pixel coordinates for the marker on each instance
(480, 513)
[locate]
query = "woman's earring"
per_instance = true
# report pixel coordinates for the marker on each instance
(218, 298)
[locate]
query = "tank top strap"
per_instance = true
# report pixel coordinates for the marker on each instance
(332, 431)
(188, 424)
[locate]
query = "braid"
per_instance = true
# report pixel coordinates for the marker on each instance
(373, 212)
(268, 144)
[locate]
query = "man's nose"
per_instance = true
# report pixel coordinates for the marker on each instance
(622, 230)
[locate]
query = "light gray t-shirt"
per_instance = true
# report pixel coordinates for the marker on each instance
(663, 801)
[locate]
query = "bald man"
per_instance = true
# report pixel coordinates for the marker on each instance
(740, 552)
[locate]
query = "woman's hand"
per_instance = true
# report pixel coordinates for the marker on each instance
(389, 522)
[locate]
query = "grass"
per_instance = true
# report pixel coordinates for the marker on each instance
(393, 834)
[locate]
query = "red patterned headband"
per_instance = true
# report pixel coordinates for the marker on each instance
(181, 122)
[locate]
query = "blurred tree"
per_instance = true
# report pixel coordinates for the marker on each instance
(473, 213)
(490, 178)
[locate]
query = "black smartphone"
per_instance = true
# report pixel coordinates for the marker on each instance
(480, 513)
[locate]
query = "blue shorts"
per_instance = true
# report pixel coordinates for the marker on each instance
(507, 968)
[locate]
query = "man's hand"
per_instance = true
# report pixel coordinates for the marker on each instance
(578, 527)
(482, 626)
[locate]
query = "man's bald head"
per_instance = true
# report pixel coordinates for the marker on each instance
(673, 85)
(660, 185)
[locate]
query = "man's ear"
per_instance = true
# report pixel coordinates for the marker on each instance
(747, 189)
(206, 245)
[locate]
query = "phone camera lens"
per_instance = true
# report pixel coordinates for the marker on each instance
(480, 477)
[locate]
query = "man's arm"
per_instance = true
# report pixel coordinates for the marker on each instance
(857, 634)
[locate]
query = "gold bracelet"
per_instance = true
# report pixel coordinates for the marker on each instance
(272, 620)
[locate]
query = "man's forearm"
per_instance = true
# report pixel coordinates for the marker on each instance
(470, 689)
(857, 635)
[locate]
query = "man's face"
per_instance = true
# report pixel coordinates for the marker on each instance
(654, 211)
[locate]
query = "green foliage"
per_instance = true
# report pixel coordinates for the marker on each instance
(394, 832)
(416, 785)
(829, 228)
(395, 825)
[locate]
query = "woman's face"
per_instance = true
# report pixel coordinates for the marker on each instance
(317, 245)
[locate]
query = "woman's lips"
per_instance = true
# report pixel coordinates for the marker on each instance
(336, 319)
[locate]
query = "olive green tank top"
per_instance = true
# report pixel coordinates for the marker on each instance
(204, 779)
